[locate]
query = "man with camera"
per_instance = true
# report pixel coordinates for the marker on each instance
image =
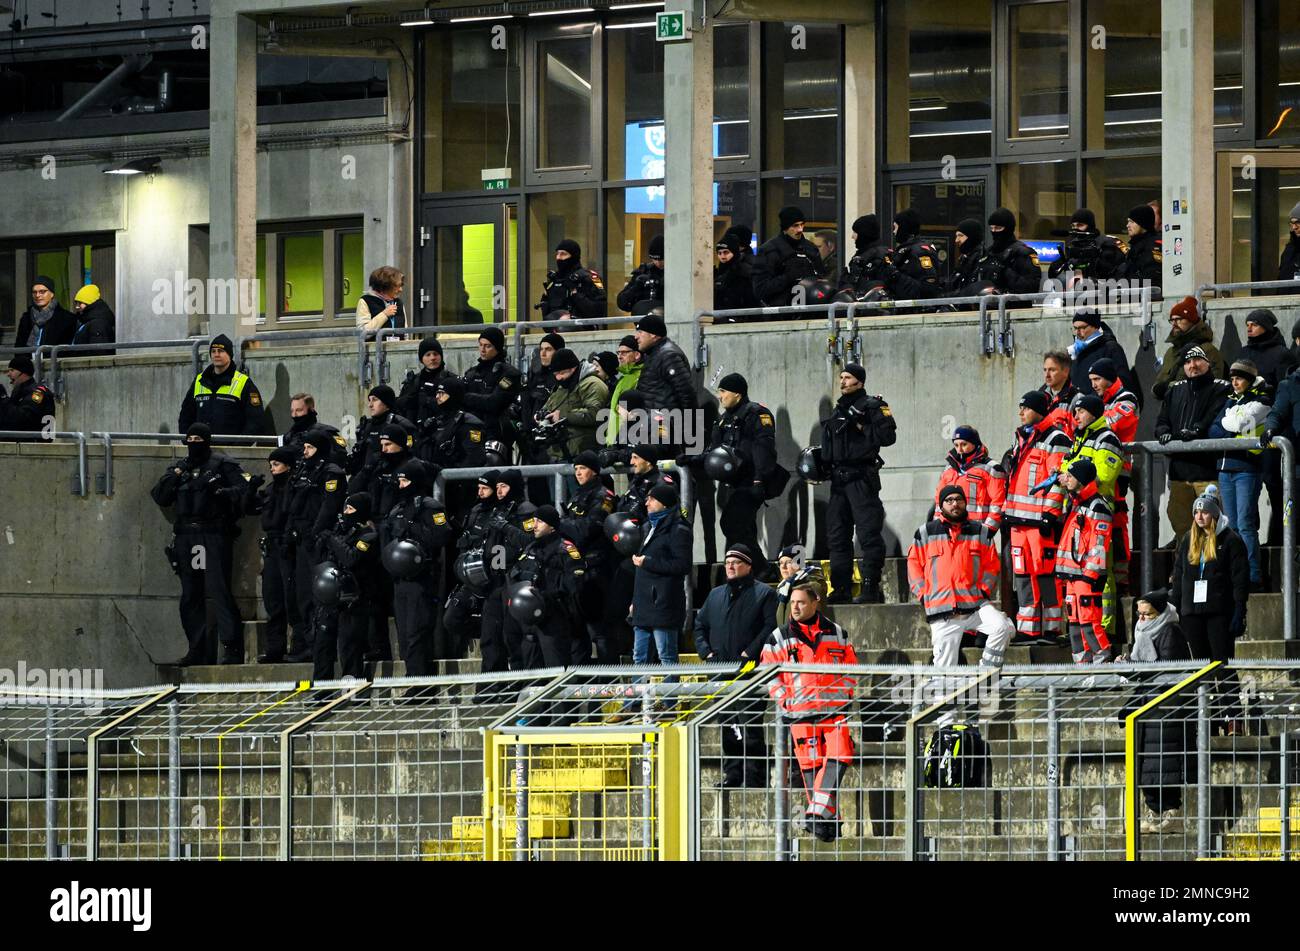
(567, 423)
(1088, 252)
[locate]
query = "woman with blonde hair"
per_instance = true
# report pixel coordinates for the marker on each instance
(1211, 585)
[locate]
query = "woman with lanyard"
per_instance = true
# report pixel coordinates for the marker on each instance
(1210, 586)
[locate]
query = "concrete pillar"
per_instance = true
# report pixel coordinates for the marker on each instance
(232, 177)
(688, 173)
(1187, 147)
(859, 125)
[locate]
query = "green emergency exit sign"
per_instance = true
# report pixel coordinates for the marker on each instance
(496, 179)
(671, 26)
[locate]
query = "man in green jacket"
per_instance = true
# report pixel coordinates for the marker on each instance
(576, 403)
(629, 374)
(1187, 329)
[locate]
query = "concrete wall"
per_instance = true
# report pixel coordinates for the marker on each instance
(95, 564)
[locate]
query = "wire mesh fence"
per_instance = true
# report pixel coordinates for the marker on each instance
(1152, 761)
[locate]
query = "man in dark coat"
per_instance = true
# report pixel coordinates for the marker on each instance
(1096, 341)
(29, 405)
(730, 628)
(223, 398)
(665, 372)
(1143, 261)
(95, 322)
(645, 288)
(733, 278)
(662, 566)
(1274, 360)
(1288, 268)
(1191, 405)
(867, 269)
(45, 323)
(571, 290)
(785, 260)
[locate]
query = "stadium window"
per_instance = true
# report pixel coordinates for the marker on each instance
(1123, 109)
(1043, 196)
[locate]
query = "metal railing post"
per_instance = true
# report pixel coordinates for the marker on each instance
(647, 773)
(173, 779)
(1288, 538)
(782, 805)
(521, 801)
(51, 784)
(1202, 770)
(559, 488)
(1284, 792)
(83, 465)
(108, 463)
(1053, 778)
(986, 333)
(1147, 512)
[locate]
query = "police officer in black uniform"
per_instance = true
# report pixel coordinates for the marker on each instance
(582, 521)
(1088, 252)
(963, 266)
(785, 260)
(537, 387)
(871, 262)
(452, 437)
(915, 272)
(733, 277)
(645, 288)
(366, 450)
(208, 491)
(226, 400)
(1010, 265)
(271, 502)
(509, 531)
(379, 478)
(851, 442)
(316, 493)
(557, 570)
(465, 602)
(1144, 259)
(418, 519)
(418, 399)
(302, 413)
(491, 386)
(342, 608)
(571, 290)
(29, 403)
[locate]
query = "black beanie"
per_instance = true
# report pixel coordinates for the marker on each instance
(730, 241)
(856, 370)
(1003, 218)
(948, 490)
(430, 343)
(589, 459)
(1158, 599)
(1104, 368)
(909, 224)
(1090, 317)
(574, 249)
(513, 478)
(653, 324)
(362, 502)
(43, 280)
(222, 342)
(284, 455)
(394, 433)
(665, 493)
(494, 336)
(554, 339)
(22, 362)
(417, 472)
(646, 451)
(1092, 404)
(656, 249)
(1143, 215)
(1265, 318)
(1084, 470)
(1035, 400)
(744, 234)
(734, 383)
(490, 478)
(607, 361)
(564, 359)
(630, 342)
(454, 387)
(548, 514)
(384, 393)
(973, 230)
(202, 430)
(319, 438)
(867, 229)
(789, 215)
(1084, 216)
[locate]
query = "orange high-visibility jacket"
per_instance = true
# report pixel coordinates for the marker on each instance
(810, 696)
(1122, 414)
(1036, 455)
(1085, 539)
(984, 483)
(953, 568)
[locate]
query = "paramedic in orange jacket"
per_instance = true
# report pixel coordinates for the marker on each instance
(816, 704)
(953, 570)
(1034, 508)
(1081, 562)
(984, 484)
(1122, 411)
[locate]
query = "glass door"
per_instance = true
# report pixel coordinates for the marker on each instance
(1254, 194)
(469, 258)
(941, 203)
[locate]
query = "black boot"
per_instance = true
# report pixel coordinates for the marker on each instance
(871, 593)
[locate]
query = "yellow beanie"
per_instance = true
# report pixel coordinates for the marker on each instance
(88, 294)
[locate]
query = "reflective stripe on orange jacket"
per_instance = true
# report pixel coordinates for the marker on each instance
(804, 696)
(1085, 539)
(1037, 455)
(985, 485)
(953, 568)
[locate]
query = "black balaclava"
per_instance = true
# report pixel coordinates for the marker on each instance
(867, 231)
(575, 256)
(364, 506)
(909, 226)
(515, 479)
(303, 423)
(418, 474)
(1007, 235)
(201, 452)
(454, 387)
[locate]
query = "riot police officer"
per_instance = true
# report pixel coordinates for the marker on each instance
(784, 261)
(645, 288)
(302, 412)
(851, 442)
(556, 570)
(733, 279)
(915, 271)
(208, 491)
(413, 535)
(418, 399)
(1009, 265)
(451, 436)
(379, 478)
(491, 386)
(1144, 259)
(317, 489)
(866, 271)
(537, 387)
(271, 502)
(645, 475)
(582, 521)
(571, 290)
(509, 530)
(963, 267)
(1088, 252)
(466, 600)
(366, 451)
(342, 588)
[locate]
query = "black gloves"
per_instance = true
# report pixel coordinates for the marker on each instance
(1237, 626)
(1187, 435)
(1165, 438)
(1266, 436)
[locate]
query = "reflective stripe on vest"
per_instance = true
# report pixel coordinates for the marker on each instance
(234, 388)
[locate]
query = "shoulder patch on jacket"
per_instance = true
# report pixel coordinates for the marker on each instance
(37, 396)
(247, 477)
(505, 383)
(255, 398)
(765, 419)
(885, 410)
(362, 545)
(572, 550)
(1157, 255)
(476, 435)
(341, 441)
(331, 485)
(439, 518)
(595, 277)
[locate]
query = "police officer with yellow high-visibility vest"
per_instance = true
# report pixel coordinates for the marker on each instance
(223, 398)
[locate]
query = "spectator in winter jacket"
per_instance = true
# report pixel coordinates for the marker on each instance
(731, 628)
(665, 374)
(1191, 405)
(1211, 586)
(1060, 392)
(1095, 341)
(1188, 330)
(1265, 348)
(629, 374)
(982, 481)
(1163, 742)
(95, 322)
(45, 323)
(1240, 473)
(1284, 417)
(576, 401)
(659, 592)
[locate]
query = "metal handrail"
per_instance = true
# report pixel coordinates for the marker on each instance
(1147, 497)
(217, 440)
(427, 330)
(83, 464)
(1243, 286)
(69, 349)
(574, 324)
